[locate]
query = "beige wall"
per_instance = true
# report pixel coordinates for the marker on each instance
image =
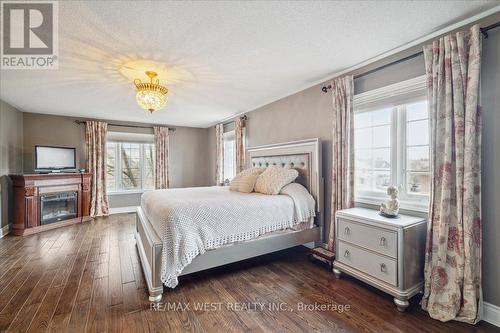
(188, 157)
(11, 162)
(42, 129)
(490, 88)
(188, 150)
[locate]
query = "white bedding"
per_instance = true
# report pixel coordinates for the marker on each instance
(191, 221)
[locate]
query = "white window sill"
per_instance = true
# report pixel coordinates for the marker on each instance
(407, 206)
(127, 192)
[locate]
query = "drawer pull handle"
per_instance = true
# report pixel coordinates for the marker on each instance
(347, 231)
(383, 241)
(346, 253)
(383, 268)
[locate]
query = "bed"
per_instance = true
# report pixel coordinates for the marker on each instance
(158, 239)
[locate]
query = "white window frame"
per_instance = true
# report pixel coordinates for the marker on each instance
(395, 96)
(118, 168)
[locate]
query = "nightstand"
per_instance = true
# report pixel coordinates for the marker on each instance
(386, 253)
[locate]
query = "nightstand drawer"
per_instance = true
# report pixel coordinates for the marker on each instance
(373, 238)
(375, 265)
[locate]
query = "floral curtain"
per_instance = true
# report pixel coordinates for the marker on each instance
(342, 150)
(219, 148)
(453, 251)
(240, 144)
(161, 157)
(95, 139)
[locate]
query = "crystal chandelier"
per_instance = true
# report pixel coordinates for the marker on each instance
(150, 95)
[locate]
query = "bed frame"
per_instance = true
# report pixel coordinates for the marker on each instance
(304, 156)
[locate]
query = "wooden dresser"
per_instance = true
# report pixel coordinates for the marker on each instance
(383, 252)
(47, 201)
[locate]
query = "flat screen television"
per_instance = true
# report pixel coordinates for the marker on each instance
(54, 159)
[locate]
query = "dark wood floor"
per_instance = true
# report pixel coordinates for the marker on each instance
(88, 278)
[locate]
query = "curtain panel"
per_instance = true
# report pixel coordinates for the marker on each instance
(453, 250)
(240, 143)
(342, 150)
(219, 150)
(161, 140)
(95, 139)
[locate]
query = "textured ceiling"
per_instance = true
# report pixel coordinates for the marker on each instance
(218, 58)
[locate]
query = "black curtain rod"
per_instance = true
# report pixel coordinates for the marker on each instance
(244, 117)
(484, 32)
(121, 125)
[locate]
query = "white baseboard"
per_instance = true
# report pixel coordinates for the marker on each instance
(122, 210)
(4, 231)
(491, 313)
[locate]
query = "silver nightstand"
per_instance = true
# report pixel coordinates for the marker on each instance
(383, 252)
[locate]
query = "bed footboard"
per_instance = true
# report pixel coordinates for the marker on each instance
(149, 247)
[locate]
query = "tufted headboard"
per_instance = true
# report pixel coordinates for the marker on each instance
(299, 162)
(304, 156)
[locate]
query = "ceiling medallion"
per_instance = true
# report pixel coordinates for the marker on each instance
(151, 95)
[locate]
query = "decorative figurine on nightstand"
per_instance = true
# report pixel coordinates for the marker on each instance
(390, 208)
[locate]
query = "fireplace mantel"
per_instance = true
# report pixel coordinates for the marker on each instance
(30, 188)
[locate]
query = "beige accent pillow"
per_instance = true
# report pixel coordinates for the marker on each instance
(274, 178)
(245, 180)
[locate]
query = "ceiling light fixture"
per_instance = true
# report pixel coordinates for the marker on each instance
(151, 95)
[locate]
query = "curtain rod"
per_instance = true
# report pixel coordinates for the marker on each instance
(484, 32)
(121, 125)
(244, 117)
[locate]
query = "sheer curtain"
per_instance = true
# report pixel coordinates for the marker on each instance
(342, 150)
(161, 157)
(219, 149)
(95, 139)
(240, 143)
(453, 251)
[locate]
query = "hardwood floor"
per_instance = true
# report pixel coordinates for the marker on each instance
(87, 278)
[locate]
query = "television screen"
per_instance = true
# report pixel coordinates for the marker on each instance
(54, 158)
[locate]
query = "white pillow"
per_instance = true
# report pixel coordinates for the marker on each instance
(274, 178)
(245, 180)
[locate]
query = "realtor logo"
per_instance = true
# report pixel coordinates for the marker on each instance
(29, 35)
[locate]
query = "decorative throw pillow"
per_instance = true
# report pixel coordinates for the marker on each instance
(245, 180)
(274, 178)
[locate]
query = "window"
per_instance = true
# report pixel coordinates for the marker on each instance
(229, 155)
(417, 161)
(130, 166)
(372, 139)
(391, 147)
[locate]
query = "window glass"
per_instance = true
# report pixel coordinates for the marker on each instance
(229, 155)
(416, 111)
(149, 167)
(111, 166)
(417, 149)
(382, 160)
(130, 166)
(372, 140)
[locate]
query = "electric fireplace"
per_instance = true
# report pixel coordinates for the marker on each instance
(56, 207)
(47, 201)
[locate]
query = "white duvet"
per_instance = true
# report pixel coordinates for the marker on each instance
(193, 220)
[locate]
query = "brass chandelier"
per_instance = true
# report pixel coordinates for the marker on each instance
(151, 95)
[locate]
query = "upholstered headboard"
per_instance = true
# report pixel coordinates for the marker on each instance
(304, 156)
(299, 162)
